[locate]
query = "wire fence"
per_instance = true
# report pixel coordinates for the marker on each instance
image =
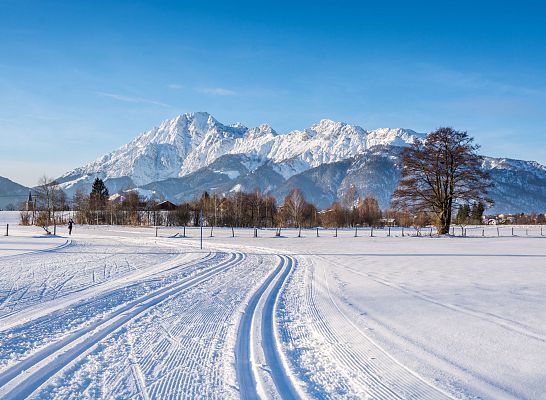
(382, 232)
(486, 231)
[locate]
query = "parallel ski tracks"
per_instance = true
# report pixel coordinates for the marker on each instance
(264, 302)
(380, 374)
(24, 378)
(505, 323)
(67, 243)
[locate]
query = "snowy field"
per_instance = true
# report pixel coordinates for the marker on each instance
(115, 312)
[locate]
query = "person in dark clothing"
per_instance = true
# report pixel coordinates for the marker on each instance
(70, 226)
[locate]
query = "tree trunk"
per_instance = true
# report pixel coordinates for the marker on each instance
(443, 223)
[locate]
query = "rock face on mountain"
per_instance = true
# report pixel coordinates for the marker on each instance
(11, 193)
(192, 153)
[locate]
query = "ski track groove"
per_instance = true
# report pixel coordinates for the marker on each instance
(176, 358)
(34, 261)
(505, 323)
(49, 325)
(210, 323)
(405, 382)
(67, 243)
(95, 333)
(246, 374)
(375, 371)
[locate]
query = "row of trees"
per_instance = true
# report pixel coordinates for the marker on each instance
(238, 209)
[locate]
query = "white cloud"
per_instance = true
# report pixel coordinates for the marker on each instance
(130, 99)
(217, 91)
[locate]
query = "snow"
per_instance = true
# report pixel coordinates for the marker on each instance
(230, 174)
(114, 312)
(145, 193)
(236, 188)
(182, 145)
(10, 217)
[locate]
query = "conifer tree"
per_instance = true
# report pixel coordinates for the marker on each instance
(99, 194)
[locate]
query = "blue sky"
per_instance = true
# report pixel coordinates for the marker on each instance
(78, 79)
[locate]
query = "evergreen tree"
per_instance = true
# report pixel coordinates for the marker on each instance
(99, 194)
(463, 215)
(477, 212)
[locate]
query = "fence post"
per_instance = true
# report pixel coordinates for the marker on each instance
(317, 233)
(211, 228)
(356, 231)
(465, 233)
(483, 232)
(541, 231)
(156, 231)
(54, 229)
(430, 232)
(389, 231)
(299, 232)
(184, 230)
(336, 233)
(232, 232)
(498, 232)
(512, 231)
(7, 229)
(402, 231)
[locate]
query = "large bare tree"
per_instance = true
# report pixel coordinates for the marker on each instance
(438, 173)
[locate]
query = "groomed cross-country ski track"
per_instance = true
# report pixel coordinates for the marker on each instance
(119, 313)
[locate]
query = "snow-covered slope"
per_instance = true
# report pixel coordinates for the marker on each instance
(180, 146)
(11, 193)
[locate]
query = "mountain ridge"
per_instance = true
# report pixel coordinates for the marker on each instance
(182, 145)
(11, 193)
(193, 152)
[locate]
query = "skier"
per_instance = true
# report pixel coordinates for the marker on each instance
(70, 226)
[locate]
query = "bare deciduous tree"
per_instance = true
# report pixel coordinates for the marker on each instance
(294, 204)
(437, 173)
(50, 198)
(369, 211)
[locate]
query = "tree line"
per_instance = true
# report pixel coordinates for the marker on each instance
(235, 209)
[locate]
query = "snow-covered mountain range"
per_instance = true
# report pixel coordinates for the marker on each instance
(193, 152)
(180, 146)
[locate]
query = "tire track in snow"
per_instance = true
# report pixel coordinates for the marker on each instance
(24, 378)
(246, 368)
